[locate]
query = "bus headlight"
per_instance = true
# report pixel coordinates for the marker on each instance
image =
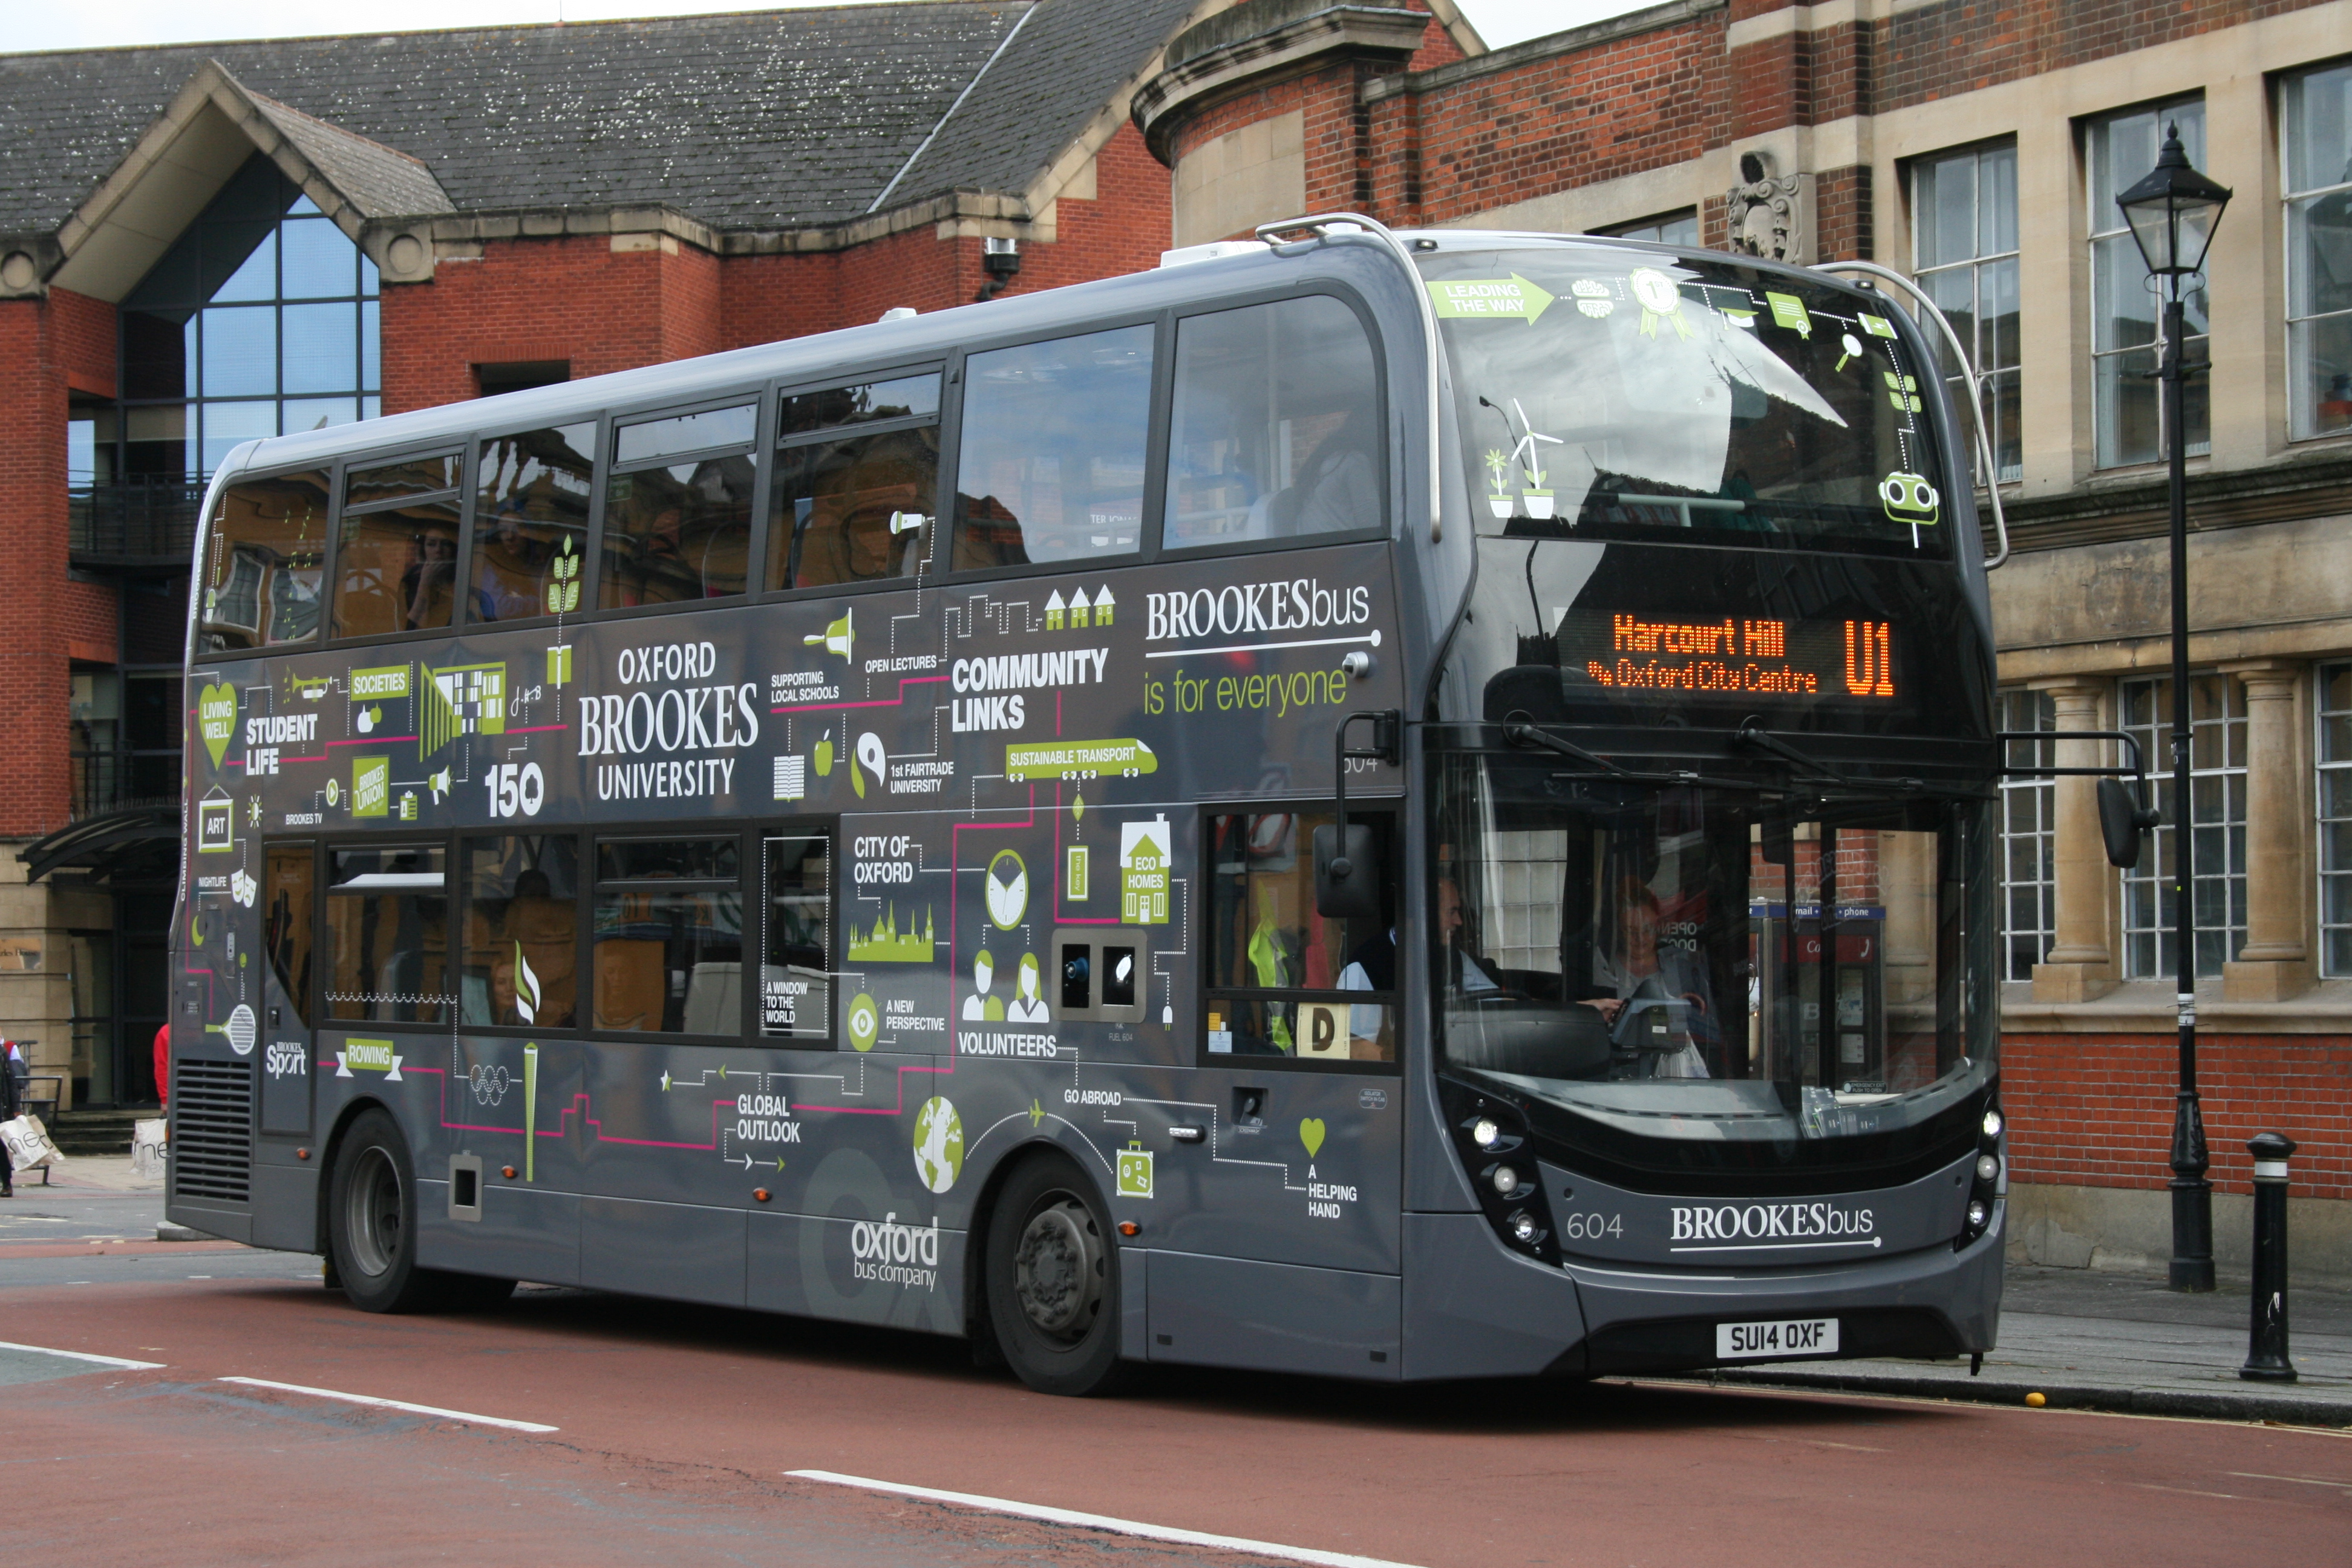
(1988, 1169)
(1978, 1214)
(1992, 1122)
(1523, 1227)
(1506, 1179)
(1485, 1132)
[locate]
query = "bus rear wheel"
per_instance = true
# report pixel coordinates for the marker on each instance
(1053, 1281)
(371, 1229)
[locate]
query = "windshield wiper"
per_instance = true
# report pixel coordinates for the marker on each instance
(1756, 738)
(1522, 733)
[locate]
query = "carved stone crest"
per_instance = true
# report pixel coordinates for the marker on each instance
(1765, 214)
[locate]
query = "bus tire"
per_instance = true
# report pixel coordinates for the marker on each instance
(1053, 1280)
(371, 1227)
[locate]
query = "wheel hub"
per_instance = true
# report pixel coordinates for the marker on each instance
(1058, 1270)
(373, 1213)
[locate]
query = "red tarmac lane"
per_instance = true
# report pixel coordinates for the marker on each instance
(676, 1426)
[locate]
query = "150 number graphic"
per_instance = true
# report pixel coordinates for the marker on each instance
(516, 788)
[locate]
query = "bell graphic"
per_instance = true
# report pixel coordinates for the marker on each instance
(837, 637)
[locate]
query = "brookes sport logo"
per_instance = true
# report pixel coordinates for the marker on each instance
(1793, 1225)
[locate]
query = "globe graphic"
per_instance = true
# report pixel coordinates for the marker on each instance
(939, 1144)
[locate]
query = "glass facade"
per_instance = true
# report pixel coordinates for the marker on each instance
(2120, 149)
(2217, 787)
(1964, 247)
(2315, 133)
(261, 320)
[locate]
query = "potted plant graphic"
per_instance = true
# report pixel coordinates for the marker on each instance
(1499, 464)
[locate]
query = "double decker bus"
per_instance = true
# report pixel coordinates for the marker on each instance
(1387, 806)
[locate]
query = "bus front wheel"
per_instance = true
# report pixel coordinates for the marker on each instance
(371, 1228)
(1053, 1280)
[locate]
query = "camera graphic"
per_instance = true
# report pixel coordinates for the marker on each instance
(1910, 498)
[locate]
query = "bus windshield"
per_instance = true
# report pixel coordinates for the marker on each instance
(1608, 393)
(1710, 962)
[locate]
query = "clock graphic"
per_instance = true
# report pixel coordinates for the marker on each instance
(1007, 889)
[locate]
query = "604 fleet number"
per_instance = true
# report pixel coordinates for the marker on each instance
(1591, 1227)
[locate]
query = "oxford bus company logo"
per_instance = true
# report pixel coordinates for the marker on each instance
(907, 1256)
(1788, 1224)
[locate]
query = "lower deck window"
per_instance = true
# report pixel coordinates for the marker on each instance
(1284, 979)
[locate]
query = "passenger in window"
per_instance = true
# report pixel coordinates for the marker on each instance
(1337, 490)
(430, 582)
(508, 587)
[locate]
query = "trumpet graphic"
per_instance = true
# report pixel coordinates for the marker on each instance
(837, 637)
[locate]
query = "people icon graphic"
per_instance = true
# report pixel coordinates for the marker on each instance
(1028, 1007)
(980, 1005)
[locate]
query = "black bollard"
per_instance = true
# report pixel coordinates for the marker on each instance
(2266, 1357)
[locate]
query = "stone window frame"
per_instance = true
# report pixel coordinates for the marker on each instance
(2028, 813)
(2146, 917)
(2107, 234)
(2296, 203)
(1944, 277)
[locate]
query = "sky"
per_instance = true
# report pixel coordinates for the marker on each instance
(99, 24)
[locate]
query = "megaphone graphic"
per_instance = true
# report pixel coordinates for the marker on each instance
(836, 637)
(439, 785)
(906, 521)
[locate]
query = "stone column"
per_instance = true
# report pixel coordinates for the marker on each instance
(2276, 963)
(2081, 965)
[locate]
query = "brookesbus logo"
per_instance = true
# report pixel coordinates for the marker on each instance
(1304, 604)
(1793, 1222)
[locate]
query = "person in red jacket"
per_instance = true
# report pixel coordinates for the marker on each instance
(164, 1065)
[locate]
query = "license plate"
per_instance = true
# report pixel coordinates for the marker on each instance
(1793, 1336)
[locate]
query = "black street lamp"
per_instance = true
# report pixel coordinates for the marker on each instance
(2173, 213)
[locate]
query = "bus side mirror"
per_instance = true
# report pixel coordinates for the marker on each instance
(2121, 823)
(1346, 886)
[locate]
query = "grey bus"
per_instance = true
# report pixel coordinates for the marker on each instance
(1391, 805)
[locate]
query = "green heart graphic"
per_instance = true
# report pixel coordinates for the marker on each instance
(1310, 1132)
(216, 718)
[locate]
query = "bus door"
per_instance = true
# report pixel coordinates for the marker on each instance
(846, 1124)
(288, 915)
(1282, 1241)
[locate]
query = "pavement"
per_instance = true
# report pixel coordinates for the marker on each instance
(2084, 1339)
(2094, 1339)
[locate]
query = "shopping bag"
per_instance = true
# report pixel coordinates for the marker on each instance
(28, 1144)
(147, 1141)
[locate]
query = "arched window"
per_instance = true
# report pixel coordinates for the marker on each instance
(261, 320)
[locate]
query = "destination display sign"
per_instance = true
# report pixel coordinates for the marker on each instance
(1816, 660)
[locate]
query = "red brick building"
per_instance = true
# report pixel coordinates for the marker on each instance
(1980, 148)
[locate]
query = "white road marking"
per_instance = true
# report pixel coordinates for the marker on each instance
(1105, 1521)
(391, 1404)
(114, 1361)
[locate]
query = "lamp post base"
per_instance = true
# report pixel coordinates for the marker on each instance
(2192, 1234)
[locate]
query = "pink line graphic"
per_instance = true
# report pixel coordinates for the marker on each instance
(897, 701)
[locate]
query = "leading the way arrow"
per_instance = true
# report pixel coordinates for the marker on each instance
(1512, 299)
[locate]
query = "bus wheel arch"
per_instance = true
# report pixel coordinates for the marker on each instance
(1049, 1271)
(330, 1151)
(370, 1216)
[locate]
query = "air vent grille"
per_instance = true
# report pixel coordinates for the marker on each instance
(211, 1130)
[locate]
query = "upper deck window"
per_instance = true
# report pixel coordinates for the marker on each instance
(857, 471)
(1276, 429)
(1610, 394)
(1053, 458)
(265, 562)
(530, 523)
(396, 551)
(678, 508)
